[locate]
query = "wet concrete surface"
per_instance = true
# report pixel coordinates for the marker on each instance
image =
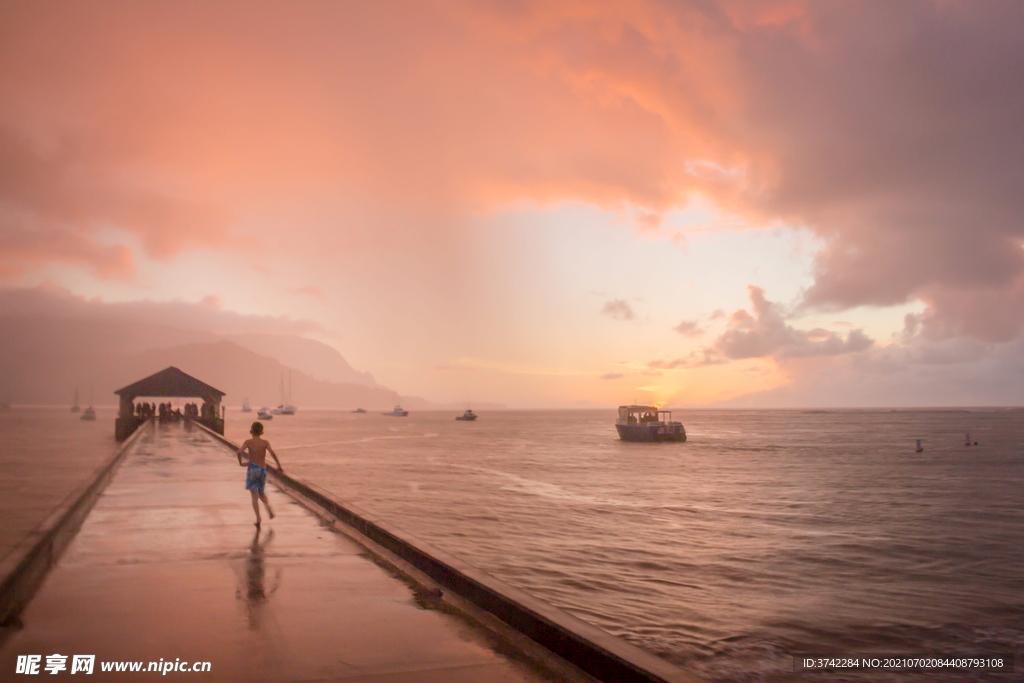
(169, 566)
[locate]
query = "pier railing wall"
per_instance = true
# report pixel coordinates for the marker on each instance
(23, 570)
(598, 653)
(125, 426)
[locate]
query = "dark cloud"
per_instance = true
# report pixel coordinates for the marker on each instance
(689, 328)
(206, 316)
(618, 309)
(894, 133)
(993, 314)
(612, 375)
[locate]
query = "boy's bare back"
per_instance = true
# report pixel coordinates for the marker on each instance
(257, 451)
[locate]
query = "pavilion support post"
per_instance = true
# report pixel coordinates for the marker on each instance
(127, 422)
(217, 417)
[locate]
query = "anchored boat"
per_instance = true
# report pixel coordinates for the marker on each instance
(89, 413)
(264, 414)
(397, 412)
(467, 416)
(647, 423)
(286, 407)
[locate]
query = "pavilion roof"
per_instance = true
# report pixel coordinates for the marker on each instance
(170, 382)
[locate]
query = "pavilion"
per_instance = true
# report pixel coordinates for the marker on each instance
(170, 382)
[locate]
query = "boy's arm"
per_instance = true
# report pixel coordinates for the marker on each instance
(241, 450)
(274, 455)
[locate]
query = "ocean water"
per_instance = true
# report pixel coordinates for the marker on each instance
(768, 533)
(45, 454)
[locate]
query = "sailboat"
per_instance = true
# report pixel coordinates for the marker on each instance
(74, 407)
(89, 413)
(286, 408)
(246, 408)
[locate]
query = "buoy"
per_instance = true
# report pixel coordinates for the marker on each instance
(919, 446)
(967, 439)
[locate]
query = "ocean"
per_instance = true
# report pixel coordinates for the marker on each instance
(768, 533)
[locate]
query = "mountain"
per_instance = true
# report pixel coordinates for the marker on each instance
(43, 360)
(309, 356)
(242, 373)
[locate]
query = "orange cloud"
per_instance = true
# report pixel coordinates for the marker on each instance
(888, 128)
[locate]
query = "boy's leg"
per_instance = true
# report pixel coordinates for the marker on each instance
(256, 506)
(266, 502)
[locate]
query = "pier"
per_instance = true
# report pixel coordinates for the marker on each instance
(168, 567)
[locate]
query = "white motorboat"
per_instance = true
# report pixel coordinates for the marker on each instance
(264, 414)
(648, 423)
(397, 412)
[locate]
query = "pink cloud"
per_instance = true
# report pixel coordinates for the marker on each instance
(889, 129)
(24, 249)
(689, 328)
(619, 309)
(313, 291)
(764, 333)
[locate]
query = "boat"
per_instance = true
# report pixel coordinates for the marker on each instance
(264, 414)
(246, 408)
(648, 423)
(286, 408)
(467, 416)
(397, 412)
(359, 410)
(75, 407)
(89, 413)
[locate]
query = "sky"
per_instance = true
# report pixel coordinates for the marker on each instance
(542, 203)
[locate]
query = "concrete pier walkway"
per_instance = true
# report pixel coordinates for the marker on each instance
(169, 566)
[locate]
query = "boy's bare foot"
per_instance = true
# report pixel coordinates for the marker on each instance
(271, 512)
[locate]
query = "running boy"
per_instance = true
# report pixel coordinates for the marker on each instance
(256, 472)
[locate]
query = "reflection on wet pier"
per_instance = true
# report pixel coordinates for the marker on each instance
(169, 566)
